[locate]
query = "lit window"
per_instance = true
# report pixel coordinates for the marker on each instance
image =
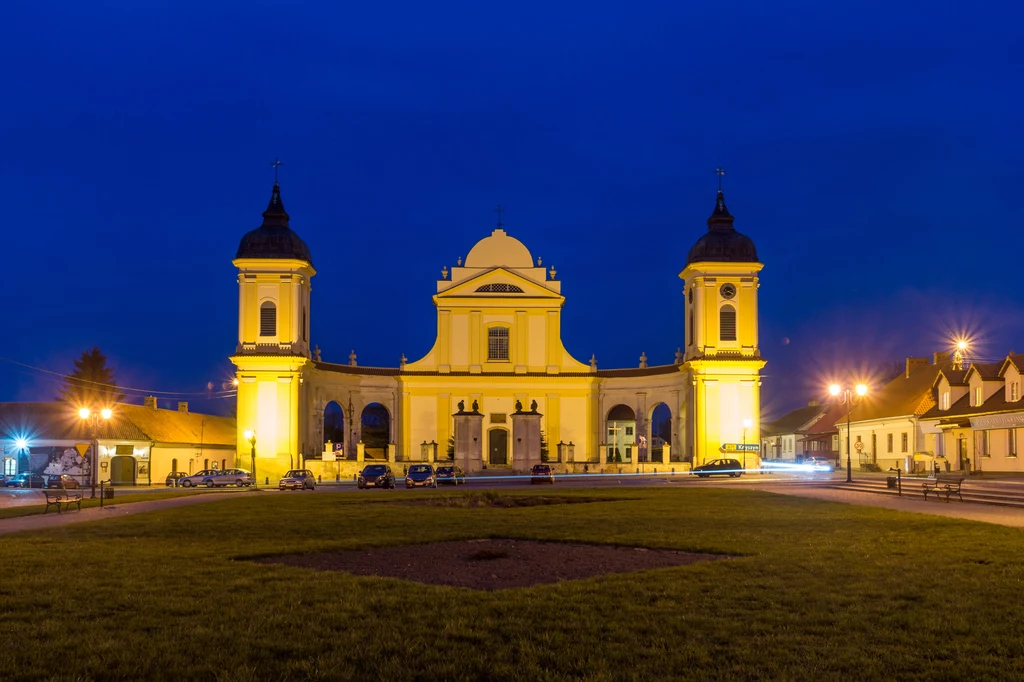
(268, 319)
(1014, 391)
(497, 343)
(977, 396)
(727, 323)
(945, 400)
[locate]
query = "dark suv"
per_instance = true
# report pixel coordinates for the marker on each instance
(376, 476)
(542, 473)
(727, 467)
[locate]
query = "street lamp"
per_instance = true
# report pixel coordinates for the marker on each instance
(251, 437)
(747, 423)
(849, 399)
(93, 421)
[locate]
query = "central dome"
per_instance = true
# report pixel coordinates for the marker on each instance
(499, 250)
(722, 243)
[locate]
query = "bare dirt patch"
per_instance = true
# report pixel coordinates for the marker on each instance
(493, 564)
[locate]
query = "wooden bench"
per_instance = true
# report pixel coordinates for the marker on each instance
(944, 483)
(55, 498)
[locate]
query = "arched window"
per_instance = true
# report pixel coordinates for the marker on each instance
(497, 343)
(727, 323)
(268, 319)
(691, 326)
(500, 288)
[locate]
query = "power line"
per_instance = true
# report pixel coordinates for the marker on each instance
(63, 377)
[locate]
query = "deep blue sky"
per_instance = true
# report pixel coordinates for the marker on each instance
(873, 153)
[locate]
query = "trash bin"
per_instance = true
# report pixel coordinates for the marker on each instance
(108, 493)
(890, 482)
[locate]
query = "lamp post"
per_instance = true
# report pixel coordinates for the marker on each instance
(747, 423)
(849, 399)
(93, 421)
(251, 437)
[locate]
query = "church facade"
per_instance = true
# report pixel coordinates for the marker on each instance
(498, 390)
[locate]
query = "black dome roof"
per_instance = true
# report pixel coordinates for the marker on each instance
(722, 243)
(274, 239)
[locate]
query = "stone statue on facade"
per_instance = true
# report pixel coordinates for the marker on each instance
(476, 406)
(519, 406)
(533, 406)
(462, 406)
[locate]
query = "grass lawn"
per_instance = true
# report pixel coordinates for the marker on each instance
(818, 591)
(121, 498)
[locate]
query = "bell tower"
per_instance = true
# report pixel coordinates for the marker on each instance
(274, 272)
(722, 354)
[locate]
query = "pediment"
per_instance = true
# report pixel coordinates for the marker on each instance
(499, 283)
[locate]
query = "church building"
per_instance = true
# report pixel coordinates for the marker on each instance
(498, 390)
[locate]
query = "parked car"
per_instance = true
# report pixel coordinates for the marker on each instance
(297, 479)
(25, 479)
(728, 467)
(542, 473)
(196, 478)
(421, 474)
(174, 478)
(450, 474)
(223, 477)
(65, 481)
(377, 476)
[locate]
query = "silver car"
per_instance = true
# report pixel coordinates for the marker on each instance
(236, 477)
(196, 478)
(298, 479)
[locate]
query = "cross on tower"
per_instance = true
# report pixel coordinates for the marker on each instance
(275, 164)
(719, 172)
(499, 210)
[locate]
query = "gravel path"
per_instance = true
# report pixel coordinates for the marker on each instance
(110, 511)
(986, 513)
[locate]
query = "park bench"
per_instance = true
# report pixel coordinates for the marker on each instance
(944, 484)
(55, 498)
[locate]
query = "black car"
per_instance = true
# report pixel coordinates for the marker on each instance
(174, 477)
(65, 481)
(26, 479)
(376, 476)
(450, 474)
(542, 473)
(727, 467)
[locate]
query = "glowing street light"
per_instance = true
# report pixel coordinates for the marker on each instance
(849, 400)
(958, 354)
(251, 437)
(93, 421)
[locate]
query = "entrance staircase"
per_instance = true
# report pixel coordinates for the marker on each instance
(975, 490)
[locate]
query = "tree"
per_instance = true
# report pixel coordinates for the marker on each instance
(451, 448)
(543, 447)
(92, 384)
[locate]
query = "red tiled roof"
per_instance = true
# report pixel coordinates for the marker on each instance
(986, 370)
(902, 396)
(60, 421)
(962, 408)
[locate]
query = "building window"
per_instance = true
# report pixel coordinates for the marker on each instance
(904, 442)
(174, 464)
(499, 288)
(1014, 391)
(497, 343)
(727, 323)
(986, 451)
(1011, 448)
(945, 401)
(304, 323)
(268, 319)
(888, 443)
(691, 326)
(977, 396)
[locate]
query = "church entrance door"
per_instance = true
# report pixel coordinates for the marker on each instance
(497, 447)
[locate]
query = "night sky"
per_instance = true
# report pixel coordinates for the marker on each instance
(873, 153)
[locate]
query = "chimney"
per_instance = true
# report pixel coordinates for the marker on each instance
(149, 401)
(912, 364)
(940, 357)
(182, 406)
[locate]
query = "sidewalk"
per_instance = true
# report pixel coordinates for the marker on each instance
(54, 519)
(1003, 516)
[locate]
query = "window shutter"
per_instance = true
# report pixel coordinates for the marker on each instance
(268, 319)
(727, 323)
